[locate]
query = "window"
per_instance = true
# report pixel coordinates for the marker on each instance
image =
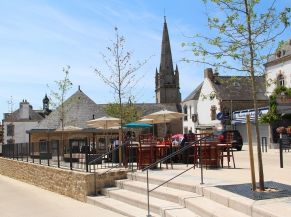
(10, 141)
(54, 147)
(185, 129)
(43, 146)
(213, 112)
(194, 118)
(10, 130)
(280, 80)
(186, 113)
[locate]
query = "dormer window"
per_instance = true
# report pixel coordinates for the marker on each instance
(280, 80)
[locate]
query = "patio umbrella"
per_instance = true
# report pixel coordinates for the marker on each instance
(69, 128)
(105, 123)
(178, 136)
(164, 116)
(152, 121)
(137, 125)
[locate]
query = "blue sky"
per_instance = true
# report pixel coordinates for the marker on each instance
(40, 37)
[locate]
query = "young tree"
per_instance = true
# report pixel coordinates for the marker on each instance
(244, 33)
(121, 74)
(58, 96)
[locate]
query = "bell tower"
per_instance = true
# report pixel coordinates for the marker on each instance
(167, 79)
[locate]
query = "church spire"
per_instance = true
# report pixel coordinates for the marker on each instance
(167, 80)
(166, 64)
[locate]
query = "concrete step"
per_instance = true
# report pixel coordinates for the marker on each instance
(118, 206)
(155, 179)
(158, 206)
(184, 198)
(225, 198)
(164, 193)
(208, 208)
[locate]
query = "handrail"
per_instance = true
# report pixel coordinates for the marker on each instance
(108, 152)
(174, 153)
(166, 158)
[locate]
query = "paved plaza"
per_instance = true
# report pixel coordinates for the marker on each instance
(19, 199)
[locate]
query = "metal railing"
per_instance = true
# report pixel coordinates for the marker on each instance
(181, 150)
(61, 154)
(111, 159)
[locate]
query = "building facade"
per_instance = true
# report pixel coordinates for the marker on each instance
(278, 68)
(17, 123)
(219, 96)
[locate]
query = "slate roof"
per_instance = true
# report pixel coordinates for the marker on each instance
(285, 51)
(15, 116)
(79, 108)
(238, 88)
(194, 95)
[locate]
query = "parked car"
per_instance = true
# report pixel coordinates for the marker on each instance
(237, 141)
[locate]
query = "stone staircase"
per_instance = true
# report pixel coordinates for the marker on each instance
(172, 200)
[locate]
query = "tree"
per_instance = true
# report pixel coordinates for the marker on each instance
(130, 111)
(121, 74)
(244, 33)
(57, 97)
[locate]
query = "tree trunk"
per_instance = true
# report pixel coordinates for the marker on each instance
(254, 89)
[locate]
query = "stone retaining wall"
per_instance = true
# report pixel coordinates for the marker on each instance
(73, 184)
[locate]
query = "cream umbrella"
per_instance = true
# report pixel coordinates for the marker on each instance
(105, 123)
(69, 128)
(164, 116)
(152, 121)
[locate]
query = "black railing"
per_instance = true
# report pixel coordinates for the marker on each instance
(68, 155)
(170, 156)
(111, 159)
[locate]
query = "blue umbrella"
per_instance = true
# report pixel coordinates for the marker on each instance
(137, 125)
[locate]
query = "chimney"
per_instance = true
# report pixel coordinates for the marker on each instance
(208, 73)
(24, 110)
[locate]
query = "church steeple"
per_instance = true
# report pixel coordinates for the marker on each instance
(167, 80)
(166, 64)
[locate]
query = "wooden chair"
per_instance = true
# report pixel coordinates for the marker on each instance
(226, 150)
(146, 152)
(191, 153)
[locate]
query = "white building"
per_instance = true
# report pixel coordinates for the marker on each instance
(278, 68)
(214, 100)
(189, 108)
(17, 123)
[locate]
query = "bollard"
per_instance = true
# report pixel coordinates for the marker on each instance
(264, 144)
(281, 153)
